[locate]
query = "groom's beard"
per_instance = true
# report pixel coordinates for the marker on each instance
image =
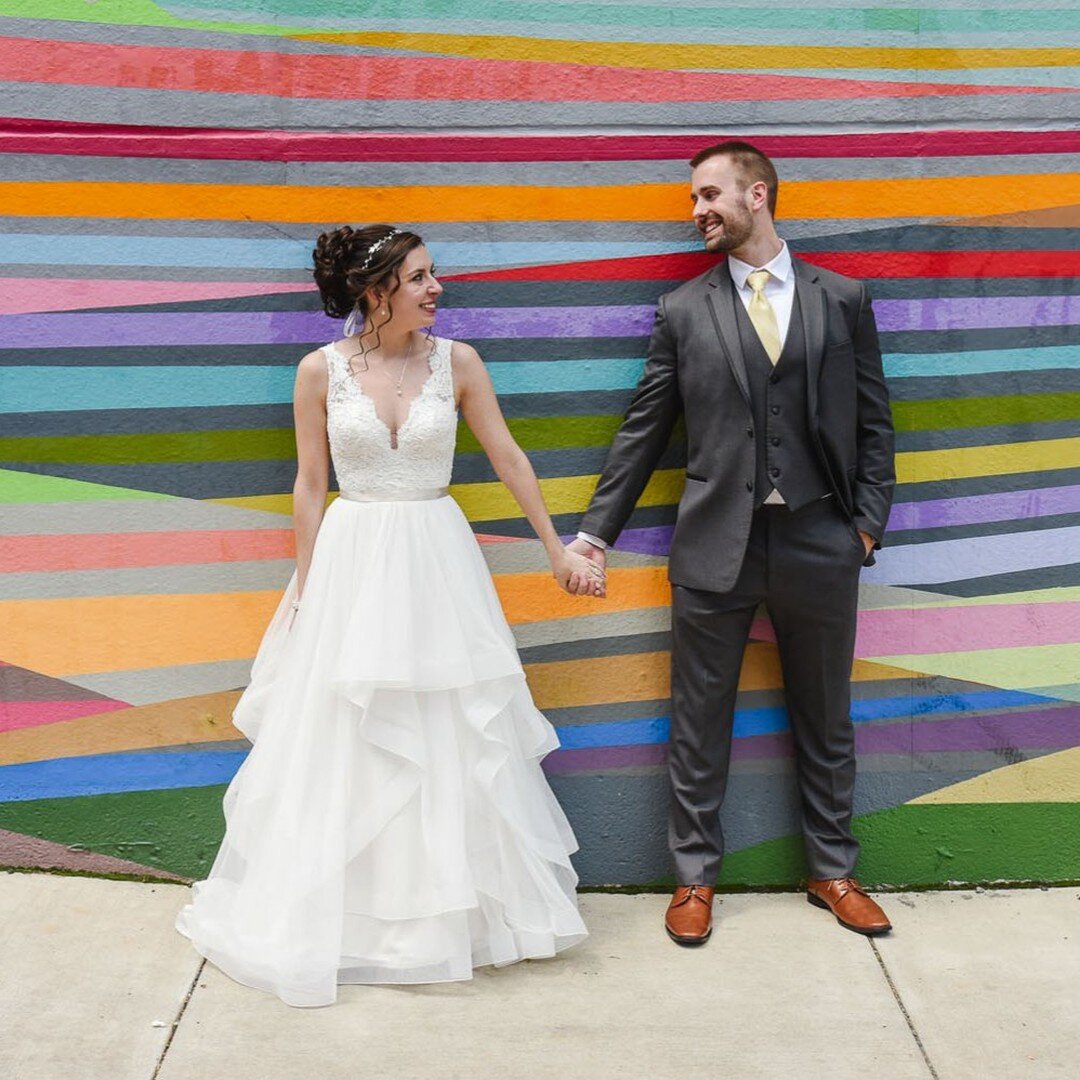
(737, 229)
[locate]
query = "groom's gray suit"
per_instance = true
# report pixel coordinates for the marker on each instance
(816, 428)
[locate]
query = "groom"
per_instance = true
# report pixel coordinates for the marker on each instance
(775, 366)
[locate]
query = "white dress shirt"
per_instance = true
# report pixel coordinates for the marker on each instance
(780, 292)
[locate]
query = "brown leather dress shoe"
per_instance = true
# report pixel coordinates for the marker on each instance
(848, 901)
(689, 915)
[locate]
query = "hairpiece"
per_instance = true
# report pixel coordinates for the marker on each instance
(374, 249)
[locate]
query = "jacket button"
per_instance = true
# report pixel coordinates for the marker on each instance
(774, 379)
(775, 410)
(749, 485)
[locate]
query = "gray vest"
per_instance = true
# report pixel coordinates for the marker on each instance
(785, 456)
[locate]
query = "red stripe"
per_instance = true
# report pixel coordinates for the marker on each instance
(99, 551)
(322, 76)
(118, 140)
(15, 715)
(859, 264)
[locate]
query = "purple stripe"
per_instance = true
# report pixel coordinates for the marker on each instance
(976, 313)
(99, 329)
(1054, 728)
(929, 514)
(972, 509)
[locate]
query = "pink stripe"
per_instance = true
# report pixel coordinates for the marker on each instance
(926, 631)
(19, 296)
(26, 714)
(328, 76)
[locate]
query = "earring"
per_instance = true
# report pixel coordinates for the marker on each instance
(350, 323)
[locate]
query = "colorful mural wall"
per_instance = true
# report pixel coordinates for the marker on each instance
(165, 167)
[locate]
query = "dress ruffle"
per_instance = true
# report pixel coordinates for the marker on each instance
(392, 823)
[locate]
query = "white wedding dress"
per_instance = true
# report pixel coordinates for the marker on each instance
(391, 823)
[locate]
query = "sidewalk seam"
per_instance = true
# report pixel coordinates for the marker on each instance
(179, 1017)
(903, 1008)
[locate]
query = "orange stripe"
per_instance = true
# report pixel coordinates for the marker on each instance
(920, 197)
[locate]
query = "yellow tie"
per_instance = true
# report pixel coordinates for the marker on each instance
(762, 315)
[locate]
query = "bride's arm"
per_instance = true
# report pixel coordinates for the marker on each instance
(480, 408)
(312, 459)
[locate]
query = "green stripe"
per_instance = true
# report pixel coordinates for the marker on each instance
(945, 413)
(936, 845)
(19, 487)
(177, 830)
(275, 444)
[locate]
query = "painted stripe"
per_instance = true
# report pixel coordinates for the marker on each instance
(803, 199)
(683, 56)
(976, 509)
(972, 557)
(1001, 459)
(20, 487)
(15, 715)
(93, 329)
(858, 264)
(38, 249)
(22, 295)
(26, 554)
(55, 136)
(982, 362)
(101, 774)
(761, 721)
(429, 78)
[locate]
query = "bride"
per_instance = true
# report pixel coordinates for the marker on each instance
(391, 823)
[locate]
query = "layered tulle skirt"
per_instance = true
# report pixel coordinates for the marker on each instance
(391, 823)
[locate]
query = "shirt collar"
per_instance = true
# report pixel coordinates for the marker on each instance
(779, 266)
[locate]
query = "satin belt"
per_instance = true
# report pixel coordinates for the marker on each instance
(409, 495)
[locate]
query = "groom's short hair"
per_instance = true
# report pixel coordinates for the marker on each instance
(752, 164)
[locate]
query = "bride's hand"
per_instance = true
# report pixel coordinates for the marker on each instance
(570, 563)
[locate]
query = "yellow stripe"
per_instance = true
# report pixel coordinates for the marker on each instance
(921, 197)
(676, 56)
(921, 466)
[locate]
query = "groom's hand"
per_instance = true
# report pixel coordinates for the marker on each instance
(868, 542)
(579, 584)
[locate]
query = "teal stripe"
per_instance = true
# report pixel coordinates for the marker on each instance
(61, 389)
(915, 365)
(911, 19)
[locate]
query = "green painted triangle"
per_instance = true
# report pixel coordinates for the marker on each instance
(23, 487)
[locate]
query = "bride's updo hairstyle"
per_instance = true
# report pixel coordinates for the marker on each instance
(349, 262)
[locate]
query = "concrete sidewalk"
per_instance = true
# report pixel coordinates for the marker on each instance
(95, 983)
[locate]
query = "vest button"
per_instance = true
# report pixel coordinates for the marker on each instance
(774, 471)
(774, 379)
(749, 485)
(776, 441)
(775, 410)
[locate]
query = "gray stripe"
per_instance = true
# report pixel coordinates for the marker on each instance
(257, 576)
(151, 685)
(19, 684)
(125, 106)
(165, 169)
(134, 515)
(986, 385)
(588, 627)
(952, 438)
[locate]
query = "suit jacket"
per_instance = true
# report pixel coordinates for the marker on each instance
(695, 367)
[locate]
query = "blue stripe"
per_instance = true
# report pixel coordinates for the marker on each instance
(272, 254)
(103, 774)
(157, 770)
(914, 365)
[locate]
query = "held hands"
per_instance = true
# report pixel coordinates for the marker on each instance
(577, 574)
(587, 576)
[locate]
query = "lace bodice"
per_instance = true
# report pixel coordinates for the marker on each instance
(360, 442)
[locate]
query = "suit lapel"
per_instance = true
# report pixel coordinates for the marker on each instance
(812, 305)
(720, 298)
